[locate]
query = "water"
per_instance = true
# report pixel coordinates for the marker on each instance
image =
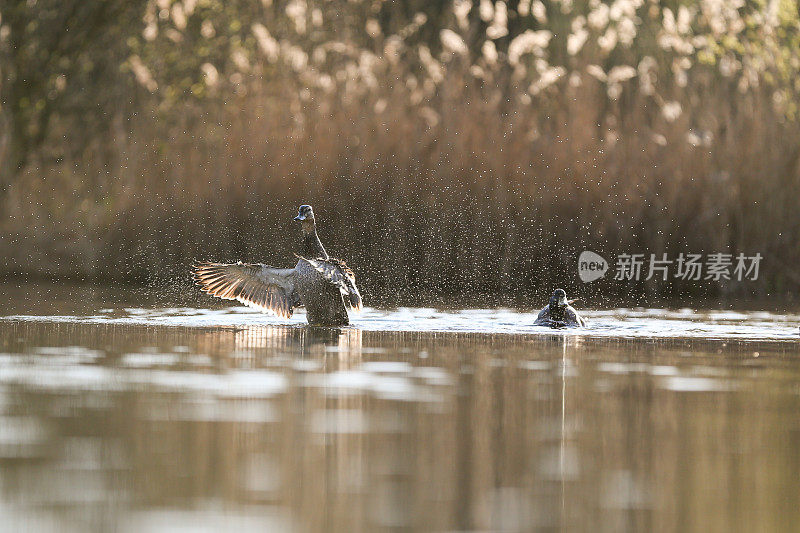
(117, 414)
(645, 324)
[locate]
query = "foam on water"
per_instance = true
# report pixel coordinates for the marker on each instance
(620, 323)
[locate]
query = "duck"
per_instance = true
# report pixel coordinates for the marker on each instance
(325, 286)
(559, 312)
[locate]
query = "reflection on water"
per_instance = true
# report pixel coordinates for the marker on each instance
(137, 427)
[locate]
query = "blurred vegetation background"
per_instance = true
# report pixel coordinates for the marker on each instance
(462, 147)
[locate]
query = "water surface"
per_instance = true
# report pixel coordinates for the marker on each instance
(144, 418)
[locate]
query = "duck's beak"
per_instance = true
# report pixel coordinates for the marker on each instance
(570, 302)
(300, 217)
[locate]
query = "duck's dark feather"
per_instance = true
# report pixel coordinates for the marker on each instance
(339, 274)
(571, 318)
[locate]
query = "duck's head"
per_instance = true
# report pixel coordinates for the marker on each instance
(559, 299)
(305, 213)
(558, 305)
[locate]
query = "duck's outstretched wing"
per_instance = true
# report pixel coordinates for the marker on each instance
(340, 275)
(255, 285)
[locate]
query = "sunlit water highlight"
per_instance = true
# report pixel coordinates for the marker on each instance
(622, 323)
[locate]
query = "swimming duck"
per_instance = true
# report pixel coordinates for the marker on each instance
(559, 313)
(324, 285)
